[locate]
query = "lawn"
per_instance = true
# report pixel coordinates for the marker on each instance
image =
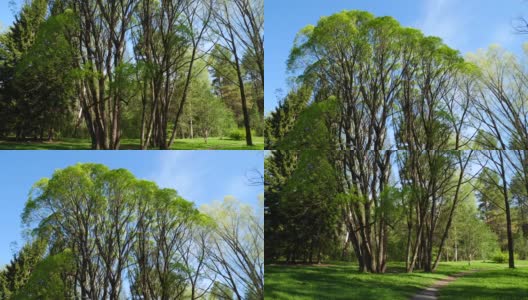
(133, 144)
(490, 284)
(342, 281)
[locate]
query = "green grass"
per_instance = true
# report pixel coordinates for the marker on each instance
(500, 283)
(133, 144)
(343, 281)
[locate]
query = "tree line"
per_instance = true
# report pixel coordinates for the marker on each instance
(145, 69)
(407, 132)
(419, 208)
(96, 233)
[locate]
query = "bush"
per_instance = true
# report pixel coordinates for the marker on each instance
(237, 134)
(500, 257)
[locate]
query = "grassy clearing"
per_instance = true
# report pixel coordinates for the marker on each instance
(501, 283)
(133, 144)
(342, 281)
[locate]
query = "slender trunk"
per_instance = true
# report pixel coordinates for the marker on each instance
(511, 263)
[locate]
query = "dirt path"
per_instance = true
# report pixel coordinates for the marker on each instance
(431, 293)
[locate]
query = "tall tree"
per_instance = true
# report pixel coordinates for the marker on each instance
(238, 24)
(237, 250)
(102, 46)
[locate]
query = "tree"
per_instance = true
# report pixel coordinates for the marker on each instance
(130, 218)
(18, 272)
(237, 247)
(281, 121)
(239, 25)
(475, 239)
(168, 43)
(52, 278)
(46, 106)
(279, 167)
(13, 45)
(210, 114)
(310, 201)
(102, 43)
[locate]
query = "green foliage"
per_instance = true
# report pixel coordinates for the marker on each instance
(476, 240)
(279, 166)
(17, 273)
(52, 278)
(314, 128)
(14, 45)
(237, 134)
(224, 81)
(239, 242)
(281, 121)
(220, 291)
(500, 257)
(211, 115)
(302, 207)
(375, 70)
(105, 203)
(50, 63)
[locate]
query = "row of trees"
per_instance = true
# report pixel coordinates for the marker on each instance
(366, 83)
(96, 232)
(393, 111)
(418, 207)
(152, 70)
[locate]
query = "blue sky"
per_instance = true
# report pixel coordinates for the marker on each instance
(199, 176)
(6, 14)
(464, 25)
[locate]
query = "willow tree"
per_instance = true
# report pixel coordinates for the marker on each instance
(352, 59)
(163, 231)
(102, 44)
(375, 78)
(431, 118)
(114, 224)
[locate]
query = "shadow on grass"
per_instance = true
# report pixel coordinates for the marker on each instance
(343, 281)
(339, 282)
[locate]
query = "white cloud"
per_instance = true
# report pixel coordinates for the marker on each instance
(440, 20)
(199, 180)
(177, 170)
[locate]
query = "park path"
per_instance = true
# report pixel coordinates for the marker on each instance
(431, 293)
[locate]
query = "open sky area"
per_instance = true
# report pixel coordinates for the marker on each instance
(464, 25)
(198, 176)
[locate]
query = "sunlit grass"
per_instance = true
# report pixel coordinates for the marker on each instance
(343, 281)
(498, 283)
(133, 144)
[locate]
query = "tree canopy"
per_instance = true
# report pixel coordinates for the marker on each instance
(97, 232)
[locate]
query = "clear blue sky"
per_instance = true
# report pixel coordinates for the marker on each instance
(6, 15)
(199, 176)
(464, 25)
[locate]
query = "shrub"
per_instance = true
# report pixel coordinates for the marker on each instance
(500, 257)
(237, 134)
